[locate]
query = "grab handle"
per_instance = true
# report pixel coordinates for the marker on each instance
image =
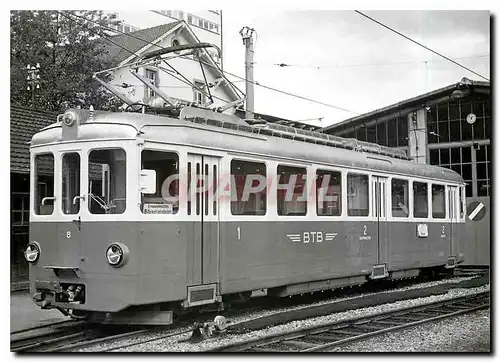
(78, 197)
(48, 198)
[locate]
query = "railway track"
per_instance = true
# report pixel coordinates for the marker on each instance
(461, 271)
(63, 337)
(71, 335)
(326, 336)
(31, 338)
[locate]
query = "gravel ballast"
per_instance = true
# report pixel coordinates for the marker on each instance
(464, 333)
(173, 344)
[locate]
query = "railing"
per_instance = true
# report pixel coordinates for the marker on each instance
(278, 130)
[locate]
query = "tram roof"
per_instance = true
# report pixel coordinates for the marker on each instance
(162, 129)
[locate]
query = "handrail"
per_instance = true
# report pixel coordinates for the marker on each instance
(78, 197)
(48, 198)
(278, 130)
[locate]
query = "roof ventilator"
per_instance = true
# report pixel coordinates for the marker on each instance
(278, 130)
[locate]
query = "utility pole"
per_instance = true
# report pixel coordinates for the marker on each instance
(33, 79)
(247, 33)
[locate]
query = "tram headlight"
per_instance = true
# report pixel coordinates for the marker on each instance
(32, 252)
(117, 254)
(69, 118)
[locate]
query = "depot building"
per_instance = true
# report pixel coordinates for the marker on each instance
(449, 127)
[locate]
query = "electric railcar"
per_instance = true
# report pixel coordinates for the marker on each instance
(136, 217)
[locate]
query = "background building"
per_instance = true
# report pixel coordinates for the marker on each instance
(123, 51)
(206, 24)
(449, 127)
(24, 123)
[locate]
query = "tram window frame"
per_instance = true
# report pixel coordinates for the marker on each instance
(354, 194)
(161, 176)
(397, 209)
(67, 206)
(333, 211)
(438, 214)
(298, 202)
(419, 214)
(43, 182)
(249, 207)
(462, 201)
(113, 181)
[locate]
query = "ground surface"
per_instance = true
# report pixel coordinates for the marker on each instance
(373, 299)
(25, 314)
(469, 333)
(466, 333)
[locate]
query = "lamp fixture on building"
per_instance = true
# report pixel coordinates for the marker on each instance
(33, 79)
(457, 94)
(463, 88)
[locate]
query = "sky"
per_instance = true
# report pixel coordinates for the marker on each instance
(356, 57)
(345, 60)
(320, 38)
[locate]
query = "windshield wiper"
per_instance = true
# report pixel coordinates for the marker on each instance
(100, 202)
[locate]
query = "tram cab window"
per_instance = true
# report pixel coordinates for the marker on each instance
(292, 191)
(438, 202)
(462, 201)
(166, 198)
(328, 191)
(400, 203)
(357, 195)
(248, 188)
(107, 181)
(420, 200)
(44, 184)
(70, 183)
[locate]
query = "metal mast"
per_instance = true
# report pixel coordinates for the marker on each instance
(247, 33)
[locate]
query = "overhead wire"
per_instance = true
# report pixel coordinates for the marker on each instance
(420, 44)
(216, 66)
(283, 65)
(128, 85)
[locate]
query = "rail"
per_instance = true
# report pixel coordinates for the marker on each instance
(327, 336)
(60, 337)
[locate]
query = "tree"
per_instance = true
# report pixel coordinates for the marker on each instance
(65, 46)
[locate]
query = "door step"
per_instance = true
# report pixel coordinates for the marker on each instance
(201, 295)
(379, 272)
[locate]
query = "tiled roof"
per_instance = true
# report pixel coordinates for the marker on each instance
(117, 54)
(24, 123)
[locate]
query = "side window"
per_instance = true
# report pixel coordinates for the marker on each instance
(19, 206)
(166, 198)
(357, 195)
(70, 183)
(107, 181)
(400, 200)
(198, 95)
(462, 201)
(420, 201)
(328, 191)
(438, 202)
(291, 194)
(44, 184)
(248, 188)
(152, 76)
